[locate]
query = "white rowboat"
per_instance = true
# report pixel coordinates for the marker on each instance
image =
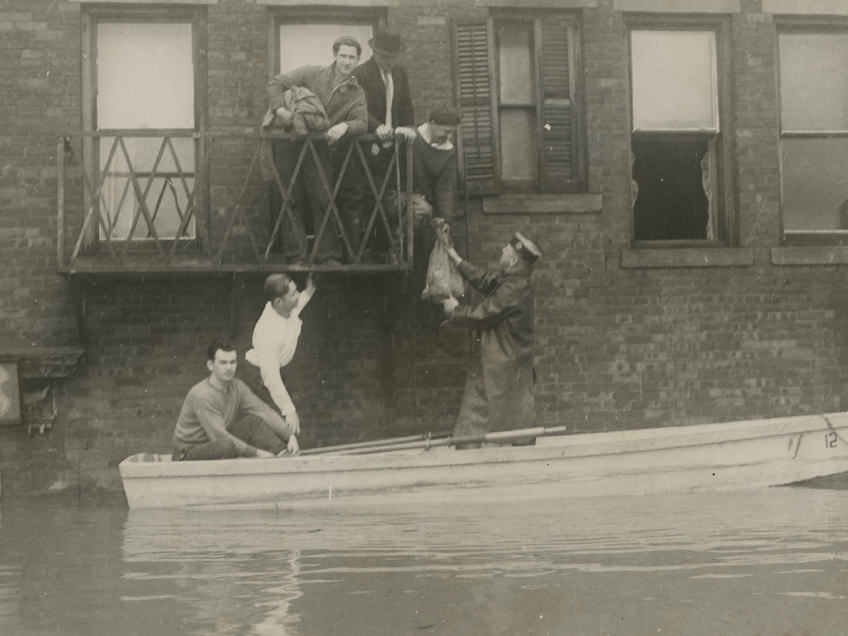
(705, 457)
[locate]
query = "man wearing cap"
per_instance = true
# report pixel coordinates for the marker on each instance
(347, 111)
(499, 388)
(434, 167)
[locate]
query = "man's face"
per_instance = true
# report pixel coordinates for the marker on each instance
(508, 255)
(440, 134)
(346, 59)
(385, 60)
(289, 300)
(223, 367)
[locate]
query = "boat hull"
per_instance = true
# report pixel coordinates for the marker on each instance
(710, 457)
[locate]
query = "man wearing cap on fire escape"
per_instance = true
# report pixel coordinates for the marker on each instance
(434, 169)
(499, 388)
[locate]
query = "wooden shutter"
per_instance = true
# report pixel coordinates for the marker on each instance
(558, 116)
(476, 139)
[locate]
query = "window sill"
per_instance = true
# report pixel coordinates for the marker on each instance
(539, 4)
(804, 7)
(679, 6)
(346, 3)
(656, 258)
(813, 255)
(146, 1)
(45, 362)
(544, 204)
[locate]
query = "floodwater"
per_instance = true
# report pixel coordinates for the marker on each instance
(771, 562)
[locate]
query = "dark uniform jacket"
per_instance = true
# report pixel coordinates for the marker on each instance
(499, 389)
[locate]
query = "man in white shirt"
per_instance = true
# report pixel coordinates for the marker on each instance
(275, 339)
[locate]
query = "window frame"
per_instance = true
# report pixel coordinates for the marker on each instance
(804, 25)
(195, 15)
(725, 225)
(278, 16)
(495, 184)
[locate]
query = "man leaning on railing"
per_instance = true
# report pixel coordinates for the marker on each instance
(344, 102)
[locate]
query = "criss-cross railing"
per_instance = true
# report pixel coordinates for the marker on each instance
(175, 200)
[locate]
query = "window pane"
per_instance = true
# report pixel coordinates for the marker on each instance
(145, 76)
(515, 64)
(519, 147)
(311, 43)
(814, 81)
(167, 195)
(814, 183)
(674, 80)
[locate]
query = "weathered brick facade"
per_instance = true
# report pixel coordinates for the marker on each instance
(622, 341)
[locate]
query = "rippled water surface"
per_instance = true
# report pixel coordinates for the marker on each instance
(772, 562)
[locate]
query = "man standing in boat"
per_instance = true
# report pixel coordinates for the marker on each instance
(275, 337)
(221, 418)
(499, 388)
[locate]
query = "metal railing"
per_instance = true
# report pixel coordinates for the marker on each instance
(177, 200)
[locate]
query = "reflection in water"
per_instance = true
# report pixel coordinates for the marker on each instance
(768, 562)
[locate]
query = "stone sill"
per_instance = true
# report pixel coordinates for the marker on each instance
(811, 255)
(679, 257)
(805, 7)
(544, 204)
(678, 6)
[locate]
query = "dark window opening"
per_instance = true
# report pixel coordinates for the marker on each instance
(672, 189)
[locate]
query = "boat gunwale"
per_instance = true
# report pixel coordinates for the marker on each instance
(568, 446)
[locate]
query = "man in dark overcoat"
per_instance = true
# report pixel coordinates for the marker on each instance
(499, 388)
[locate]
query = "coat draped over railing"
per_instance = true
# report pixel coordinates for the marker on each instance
(177, 200)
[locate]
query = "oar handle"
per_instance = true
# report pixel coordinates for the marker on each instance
(494, 438)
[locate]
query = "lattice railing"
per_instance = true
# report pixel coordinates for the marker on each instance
(175, 200)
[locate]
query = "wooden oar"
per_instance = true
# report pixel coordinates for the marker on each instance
(388, 442)
(498, 437)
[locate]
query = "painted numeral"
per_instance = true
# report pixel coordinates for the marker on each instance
(830, 439)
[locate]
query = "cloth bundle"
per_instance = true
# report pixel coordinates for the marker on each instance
(443, 279)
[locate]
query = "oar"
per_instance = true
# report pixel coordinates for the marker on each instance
(497, 437)
(392, 441)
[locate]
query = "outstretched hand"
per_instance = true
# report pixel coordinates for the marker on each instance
(310, 283)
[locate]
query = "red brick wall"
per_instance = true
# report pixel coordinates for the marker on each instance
(616, 347)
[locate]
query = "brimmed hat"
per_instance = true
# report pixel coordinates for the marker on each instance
(385, 42)
(444, 116)
(526, 248)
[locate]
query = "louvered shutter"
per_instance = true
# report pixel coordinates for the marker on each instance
(474, 93)
(560, 166)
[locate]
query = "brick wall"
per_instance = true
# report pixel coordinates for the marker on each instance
(616, 347)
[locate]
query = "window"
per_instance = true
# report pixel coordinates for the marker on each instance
(814, 134)
(521, 120)
(307, 39)
(677, 145)
(142, 82)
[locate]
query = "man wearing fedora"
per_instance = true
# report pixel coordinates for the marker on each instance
(499, 388)
(386, 86)
(389, 102)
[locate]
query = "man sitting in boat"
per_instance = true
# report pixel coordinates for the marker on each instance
(499, 388)
(221, 418)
